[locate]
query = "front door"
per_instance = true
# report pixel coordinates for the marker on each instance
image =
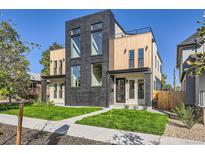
(131, 91)
(120, 90)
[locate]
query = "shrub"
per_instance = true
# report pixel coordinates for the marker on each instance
(38, 102)
(186, 115)
(135, 107)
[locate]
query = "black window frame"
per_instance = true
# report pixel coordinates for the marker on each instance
(55, 90)
(55, 67)
(61, 90)
(131, 59)
(140, 59)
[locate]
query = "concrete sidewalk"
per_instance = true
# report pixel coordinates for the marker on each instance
(95, 133)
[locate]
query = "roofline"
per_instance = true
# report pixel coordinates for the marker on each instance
(57, 49)
(105, 10)
(120, 26)
(180, 46)
(53, 76)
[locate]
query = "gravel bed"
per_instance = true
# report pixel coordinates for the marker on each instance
(176, 128)
(35, 137)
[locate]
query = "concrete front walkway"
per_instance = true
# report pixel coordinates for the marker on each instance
(95, 133)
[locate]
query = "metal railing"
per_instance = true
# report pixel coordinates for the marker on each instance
(134, 32)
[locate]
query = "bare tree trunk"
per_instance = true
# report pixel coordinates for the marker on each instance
(9, 99)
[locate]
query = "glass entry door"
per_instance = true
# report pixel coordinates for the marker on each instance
(131, 91)
(120, 90)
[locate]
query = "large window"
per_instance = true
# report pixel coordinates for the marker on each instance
(75, 76)
(141, 89)
(75, 46)
(96, 43)
(141, 57)
(96, 38)
(131, 58)
(75, 43)
(55, 91)
(60, 67)
(96, 74)
(55, 68)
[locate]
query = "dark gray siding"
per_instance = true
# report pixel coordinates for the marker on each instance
(85, 94)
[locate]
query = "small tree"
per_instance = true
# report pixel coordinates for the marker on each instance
(14, 67)
(165, 85)
(45, 58)
(197, 66)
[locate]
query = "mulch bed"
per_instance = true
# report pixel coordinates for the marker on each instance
(176, 128)
(35, 137)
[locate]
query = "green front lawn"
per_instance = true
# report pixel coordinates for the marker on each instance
(49, 112)
(130, 120)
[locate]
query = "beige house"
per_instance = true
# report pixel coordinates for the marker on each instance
(132, 56)
(104, 65)
(57, 76)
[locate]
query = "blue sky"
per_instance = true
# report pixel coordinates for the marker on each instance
(46, 26)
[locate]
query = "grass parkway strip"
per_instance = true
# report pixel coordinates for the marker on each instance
(48, 112)
(130, 120)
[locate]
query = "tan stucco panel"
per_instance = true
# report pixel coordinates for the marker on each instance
(119, 50)
(56, 55)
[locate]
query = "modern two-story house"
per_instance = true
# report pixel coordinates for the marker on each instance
(193, 87)
(106, 65)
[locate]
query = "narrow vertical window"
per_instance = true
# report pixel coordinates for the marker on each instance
(75, 43)
(55, 91)
(141, 57)
(60, 67)
(155, 61)
(61, 90)
(55, 68)
(131, 58)
(96, 74)
(140, 89)
(75, 76)
(96, 39)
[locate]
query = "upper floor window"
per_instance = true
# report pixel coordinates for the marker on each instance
(75, 43)
(75, 76)
(155, 61)
(131, 58)
(96, 38)
(55, 68)
(96, 26)
(161, 68)
(96, 43)
(60, 67)
(75, 46)
(141, 57)
(75, 31)
(96, 74)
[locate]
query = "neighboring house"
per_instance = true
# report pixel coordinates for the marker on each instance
(193, 87)
(57, 76)
(35, 88)
(105, 65)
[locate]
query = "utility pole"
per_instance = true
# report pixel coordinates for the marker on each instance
(174, 84)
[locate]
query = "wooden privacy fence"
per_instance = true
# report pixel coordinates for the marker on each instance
(168, 100)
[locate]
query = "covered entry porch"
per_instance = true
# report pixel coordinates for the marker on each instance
(132, 86)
